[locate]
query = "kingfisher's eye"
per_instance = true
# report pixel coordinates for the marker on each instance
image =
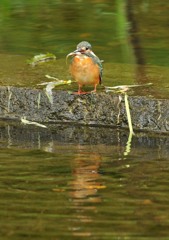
(87, 48)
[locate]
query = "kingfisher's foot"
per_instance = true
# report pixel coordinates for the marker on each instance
(94, 91)
(80, 93)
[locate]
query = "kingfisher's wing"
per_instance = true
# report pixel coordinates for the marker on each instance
(97, 61)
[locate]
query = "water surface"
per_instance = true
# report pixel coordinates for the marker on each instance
(79, 182)
(131, 38)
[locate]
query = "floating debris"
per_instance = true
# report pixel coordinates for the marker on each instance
(25, 121)
(51, 85)
(48, 91)
(118, 107)
(128, 114)
(9, 98)
(50, 77)
(57, 81)
(41, 58)
(124, 88)
(39, 98)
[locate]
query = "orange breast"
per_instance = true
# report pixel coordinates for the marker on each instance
(85, 71)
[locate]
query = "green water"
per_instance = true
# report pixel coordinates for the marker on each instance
(69, 182)
(131, 38)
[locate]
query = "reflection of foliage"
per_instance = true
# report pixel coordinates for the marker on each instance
(36, 26)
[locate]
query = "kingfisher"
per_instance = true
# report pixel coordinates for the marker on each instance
(86, 68)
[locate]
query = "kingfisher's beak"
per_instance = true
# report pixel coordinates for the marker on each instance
(72, 54)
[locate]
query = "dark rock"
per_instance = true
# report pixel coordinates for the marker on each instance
(101, 109)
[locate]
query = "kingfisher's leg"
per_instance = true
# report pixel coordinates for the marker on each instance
(94, 90)
(79, 92)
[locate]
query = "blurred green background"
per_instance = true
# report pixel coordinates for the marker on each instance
(121, 32)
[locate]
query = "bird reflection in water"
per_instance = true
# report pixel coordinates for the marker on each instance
(85, 187)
